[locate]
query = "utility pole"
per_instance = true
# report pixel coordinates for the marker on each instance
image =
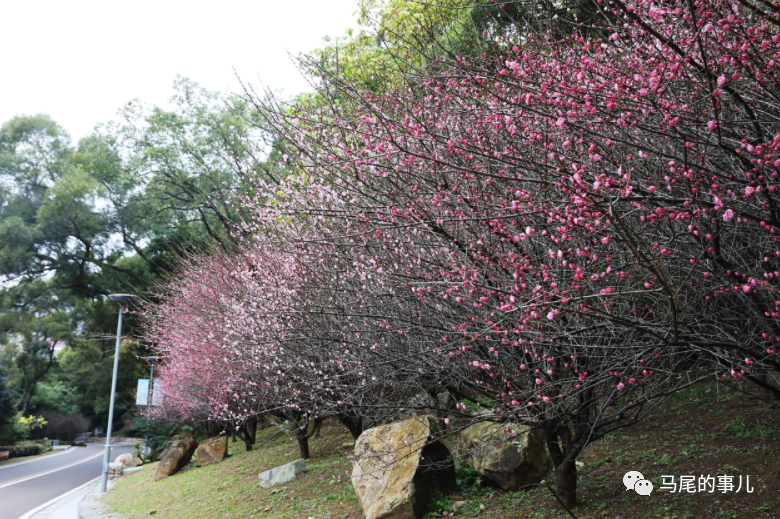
(123, 300)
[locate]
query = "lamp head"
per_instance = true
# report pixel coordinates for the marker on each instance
(122, 299)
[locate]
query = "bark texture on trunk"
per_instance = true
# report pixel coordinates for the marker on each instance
(566, 487)
(303, 447)
(354, 425)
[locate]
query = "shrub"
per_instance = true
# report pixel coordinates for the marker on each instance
(17, 451)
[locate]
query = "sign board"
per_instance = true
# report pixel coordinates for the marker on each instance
(142, 394)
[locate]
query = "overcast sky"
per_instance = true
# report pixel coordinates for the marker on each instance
(80, 61)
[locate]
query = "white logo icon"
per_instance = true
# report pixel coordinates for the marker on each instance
(634, 480)
(643, 487)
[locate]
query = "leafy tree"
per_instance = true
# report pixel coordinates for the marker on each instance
(7, 399)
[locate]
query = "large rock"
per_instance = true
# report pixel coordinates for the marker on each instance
(211, 451)
(510, 461)
(176, 456)
(395, 469)
(281, 474)
(129, 460)
(44, 443)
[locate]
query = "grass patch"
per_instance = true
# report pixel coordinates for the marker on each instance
(687, 435)
(232, 489)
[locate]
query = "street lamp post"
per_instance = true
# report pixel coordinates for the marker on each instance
(123, 300)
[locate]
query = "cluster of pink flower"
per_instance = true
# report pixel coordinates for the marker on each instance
(565, 231)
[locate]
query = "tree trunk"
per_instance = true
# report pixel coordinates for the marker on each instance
(354, 425)
(253, 430)
(26, 397)
(566, 474)
(303, 446)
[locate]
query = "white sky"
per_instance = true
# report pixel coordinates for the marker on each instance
(81, 60)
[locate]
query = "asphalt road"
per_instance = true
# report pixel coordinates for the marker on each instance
(27, 485)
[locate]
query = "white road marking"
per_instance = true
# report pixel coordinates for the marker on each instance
(50, 456)
(46, 472)
(66, 494)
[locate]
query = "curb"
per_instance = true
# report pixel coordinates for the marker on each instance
(63, 496)
(92, 506)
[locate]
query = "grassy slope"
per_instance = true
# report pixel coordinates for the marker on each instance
(231, 488)
(706, 430)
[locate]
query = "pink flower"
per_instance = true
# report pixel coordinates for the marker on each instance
(748, 361)
(604, 240)
(728, 215)
(546, 399)
(711, 125)
(651, 189)
(447, 420)
(746, 288)
(707, 274)
(538, 382)
(708, 27)
(620, 387)
(561, 122)
(722, 80)
(551, 315)
(530, 404)
(749, 191)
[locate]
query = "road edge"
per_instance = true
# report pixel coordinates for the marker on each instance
(38, 458)
(63, 496)
(92, 506)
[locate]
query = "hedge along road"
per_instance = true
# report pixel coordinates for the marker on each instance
(30, 484)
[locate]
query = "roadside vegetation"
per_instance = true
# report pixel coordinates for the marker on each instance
(19, 459)
(702, 430)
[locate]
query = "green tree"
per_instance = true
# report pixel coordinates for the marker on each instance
(7, 400)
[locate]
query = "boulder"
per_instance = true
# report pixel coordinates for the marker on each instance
(176, 456)
(510, 461)
(115, 470)
(211, 451)
(282, 474)
(4, 455)
(393, 475)
(44, 443)
(129, 460)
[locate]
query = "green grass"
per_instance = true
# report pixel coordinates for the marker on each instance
(231, 488)
(688, 435)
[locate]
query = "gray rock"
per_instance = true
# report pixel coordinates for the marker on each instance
(509, 460)
(129, 460)
(282, 474)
